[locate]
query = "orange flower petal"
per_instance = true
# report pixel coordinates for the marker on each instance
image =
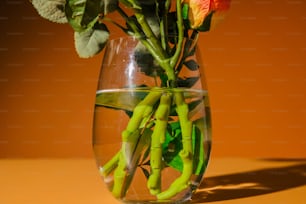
(221, 5)
(198, 10)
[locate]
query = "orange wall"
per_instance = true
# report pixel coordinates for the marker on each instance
(255, 66)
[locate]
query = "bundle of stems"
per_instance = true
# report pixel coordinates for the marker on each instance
(154, 110)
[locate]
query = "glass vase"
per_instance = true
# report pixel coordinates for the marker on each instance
(151, 140)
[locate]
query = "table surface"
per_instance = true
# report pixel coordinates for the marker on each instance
(227, 181)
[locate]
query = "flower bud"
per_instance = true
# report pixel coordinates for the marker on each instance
(204, 14)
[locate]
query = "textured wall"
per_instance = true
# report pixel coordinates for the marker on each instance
(255, 66)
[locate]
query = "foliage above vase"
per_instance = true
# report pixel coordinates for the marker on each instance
(150, 21)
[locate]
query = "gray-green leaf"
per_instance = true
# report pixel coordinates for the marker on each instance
(82, 14)
(52, 10)
(90, 42)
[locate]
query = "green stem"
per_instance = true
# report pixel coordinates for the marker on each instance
(175, 57)
(130, 137)
(155, 48)
(158, 137)
(182, 182)
(130, 3)
(146, 35)
(160, 57)
(151, 43)
(186, 125)
(164, 25)
(137, 33)
(110, 165)
(155, 43)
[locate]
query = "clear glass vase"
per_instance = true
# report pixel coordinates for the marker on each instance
(151, 140)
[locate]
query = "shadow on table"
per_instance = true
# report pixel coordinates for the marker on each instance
(252, 183)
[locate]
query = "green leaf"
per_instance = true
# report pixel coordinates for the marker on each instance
(173, 145)
(51, 10)
(91, 41)
(187, 82)
(82, 14)
(118, 100)
(206, 23)
(185, 9)
(145, 158)
(192, 52)
(192, 65)
(194, 104)
(125, 99)
(145, 172)
(190, 48)
(198, 152)
(201, 154)
(146, 136)
(131, 4)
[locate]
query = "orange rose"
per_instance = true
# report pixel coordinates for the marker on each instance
(204, 14)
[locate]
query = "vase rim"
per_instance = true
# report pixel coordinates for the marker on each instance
(161, 89)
